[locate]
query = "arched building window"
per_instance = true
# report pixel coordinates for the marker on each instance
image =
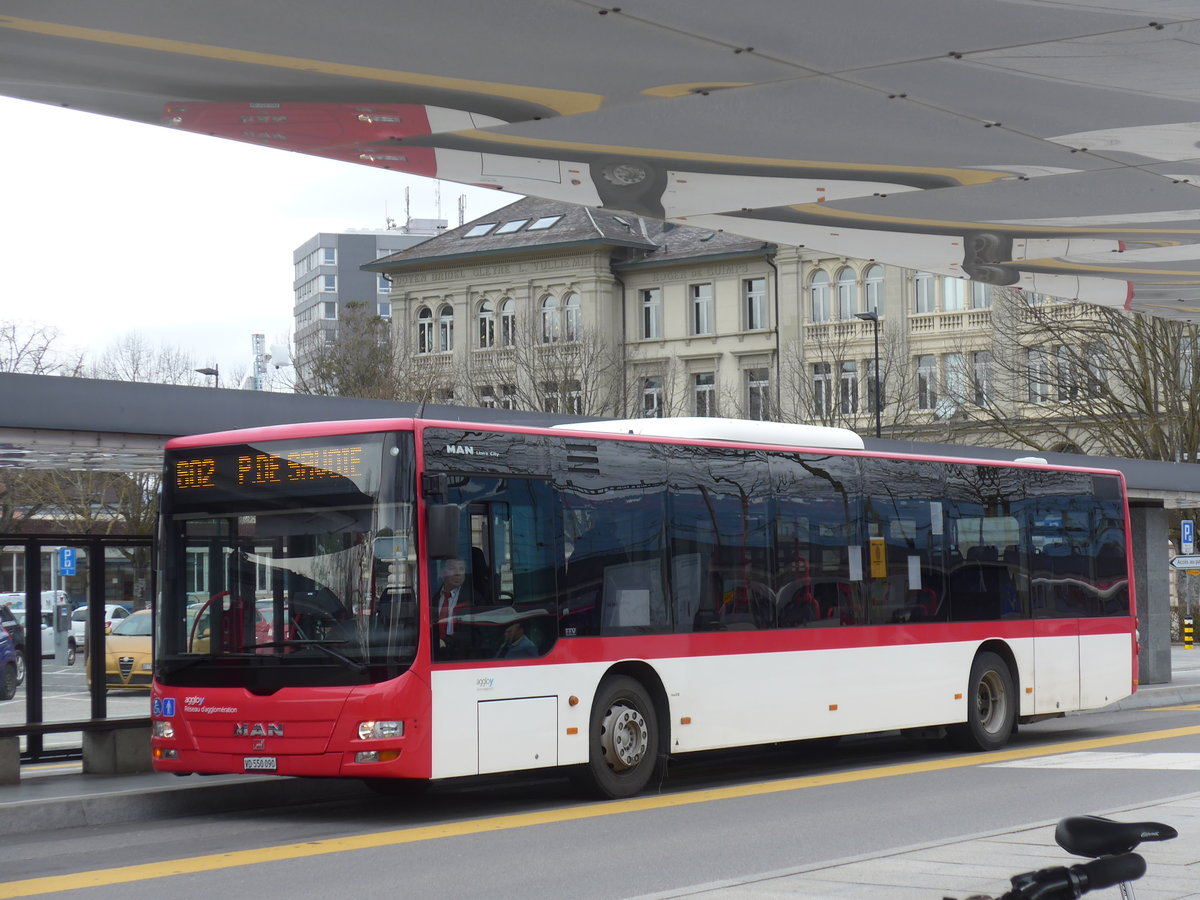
(873, 283)
(487, 325)
(819, 290)
(508, 322)
(424, 330)
(572, 317)
(446, 328)
(549, 319)
(847, 294)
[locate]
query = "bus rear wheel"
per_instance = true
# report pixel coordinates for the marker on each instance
(991, 706)
(624, 739)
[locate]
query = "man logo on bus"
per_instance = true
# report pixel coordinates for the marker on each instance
(258, 729)
(461, 451)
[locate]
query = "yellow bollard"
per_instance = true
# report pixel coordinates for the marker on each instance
(1187, 633)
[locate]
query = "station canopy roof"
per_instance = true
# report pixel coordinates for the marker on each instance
(1050, 146)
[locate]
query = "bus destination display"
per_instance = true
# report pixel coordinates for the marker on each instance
(268, 469)
(213, 478)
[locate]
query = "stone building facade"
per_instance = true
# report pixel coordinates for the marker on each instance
(562, 308)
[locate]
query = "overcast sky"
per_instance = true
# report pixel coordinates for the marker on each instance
(111, 227)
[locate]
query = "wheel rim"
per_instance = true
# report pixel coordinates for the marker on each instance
(991, 702)
(624, 737)
(20, 660)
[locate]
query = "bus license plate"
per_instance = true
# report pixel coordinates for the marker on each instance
(259, 763)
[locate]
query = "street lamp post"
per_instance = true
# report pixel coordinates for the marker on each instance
(872, 316)
(215, 372)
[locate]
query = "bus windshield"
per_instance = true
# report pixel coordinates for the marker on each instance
(288, 563)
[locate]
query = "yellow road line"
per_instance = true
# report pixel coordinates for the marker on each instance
(126, 874)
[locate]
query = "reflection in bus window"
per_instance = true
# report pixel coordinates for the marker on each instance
(720, 540)
(816, 511)
(613, 498)
(505, 571)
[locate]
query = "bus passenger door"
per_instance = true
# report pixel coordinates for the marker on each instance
(1056, 664)
(1057, 566)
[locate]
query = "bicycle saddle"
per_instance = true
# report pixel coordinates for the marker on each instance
(1095, 836)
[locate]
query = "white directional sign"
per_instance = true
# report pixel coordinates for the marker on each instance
(1185, 562)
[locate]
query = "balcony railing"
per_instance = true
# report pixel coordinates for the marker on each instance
(950, 321)
(827, 333)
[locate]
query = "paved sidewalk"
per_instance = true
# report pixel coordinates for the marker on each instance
(981, 864)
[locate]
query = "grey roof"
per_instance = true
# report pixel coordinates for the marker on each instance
(643, 240)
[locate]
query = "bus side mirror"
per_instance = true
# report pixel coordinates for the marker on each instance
(441, 531)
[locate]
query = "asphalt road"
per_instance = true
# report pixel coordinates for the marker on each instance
(719, 816)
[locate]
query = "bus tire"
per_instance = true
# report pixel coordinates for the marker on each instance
(991, 706)
(623, 738)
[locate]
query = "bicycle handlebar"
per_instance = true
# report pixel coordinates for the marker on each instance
(1059, 882)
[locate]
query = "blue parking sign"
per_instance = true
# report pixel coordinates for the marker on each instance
(66, 560)
(1187, 537)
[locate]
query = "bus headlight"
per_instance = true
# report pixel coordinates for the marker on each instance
(163, 729)
(383, 729)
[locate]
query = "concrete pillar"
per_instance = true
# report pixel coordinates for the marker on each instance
(117, 752)
(10, 760)
(1152, 583)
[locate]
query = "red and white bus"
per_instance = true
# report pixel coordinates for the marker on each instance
(616, 596)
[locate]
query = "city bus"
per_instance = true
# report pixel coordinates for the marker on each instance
(408, 600)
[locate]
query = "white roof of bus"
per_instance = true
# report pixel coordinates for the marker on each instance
(747, 431)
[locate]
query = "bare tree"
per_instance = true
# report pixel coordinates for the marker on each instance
(653, 387)
(357, 362)
(1081, 378)
(133, 358)
(30, 349)
(813, 390)
(20, 502)
(84, 502)
(579, 374)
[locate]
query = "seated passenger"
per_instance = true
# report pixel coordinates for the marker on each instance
(516, 644)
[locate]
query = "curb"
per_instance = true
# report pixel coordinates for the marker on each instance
(200, 797)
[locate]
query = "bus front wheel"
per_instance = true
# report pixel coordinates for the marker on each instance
(623, 739)
(991, 706)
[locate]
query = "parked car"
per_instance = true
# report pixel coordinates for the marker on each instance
(48, 635)
(129, 660)
(8, 667)
(16, 633)
(113, 614)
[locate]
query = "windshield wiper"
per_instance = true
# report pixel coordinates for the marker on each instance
(352, 664)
